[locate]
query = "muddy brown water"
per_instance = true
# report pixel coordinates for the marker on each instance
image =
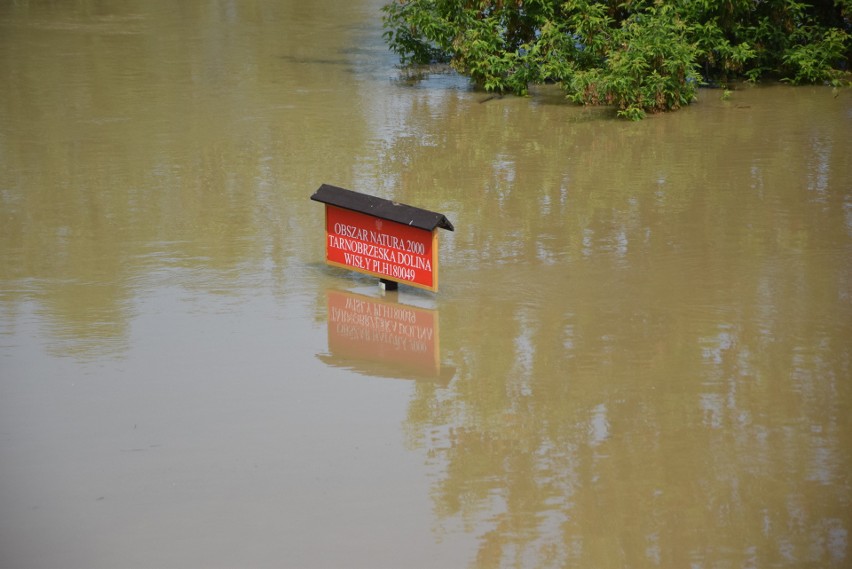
(639, 355)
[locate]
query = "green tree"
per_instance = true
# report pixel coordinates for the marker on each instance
(638, 55)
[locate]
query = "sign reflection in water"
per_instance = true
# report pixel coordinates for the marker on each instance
(381, 337)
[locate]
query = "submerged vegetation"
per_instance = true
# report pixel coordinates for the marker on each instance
(638, 55)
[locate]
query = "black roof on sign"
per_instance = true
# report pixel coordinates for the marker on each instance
(381, 208)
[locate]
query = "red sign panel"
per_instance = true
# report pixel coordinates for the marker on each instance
(382, 248)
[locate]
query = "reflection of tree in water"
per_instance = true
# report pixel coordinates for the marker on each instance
(651, 356)
(642, 448)
(172, 153)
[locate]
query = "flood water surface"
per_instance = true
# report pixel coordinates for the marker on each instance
(639, 354)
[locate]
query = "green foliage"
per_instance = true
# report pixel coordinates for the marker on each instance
(809, 59)
(649, 64)
(637, 55)
(417, 32)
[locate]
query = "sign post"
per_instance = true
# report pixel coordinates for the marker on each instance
(395, 242)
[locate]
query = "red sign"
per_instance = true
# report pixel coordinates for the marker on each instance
(382, 248)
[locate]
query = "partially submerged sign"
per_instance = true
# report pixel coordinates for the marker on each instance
(379, 237)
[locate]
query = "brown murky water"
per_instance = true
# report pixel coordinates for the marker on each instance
(639, 355)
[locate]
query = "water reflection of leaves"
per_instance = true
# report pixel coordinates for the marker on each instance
(622, 328)
(180, 154)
